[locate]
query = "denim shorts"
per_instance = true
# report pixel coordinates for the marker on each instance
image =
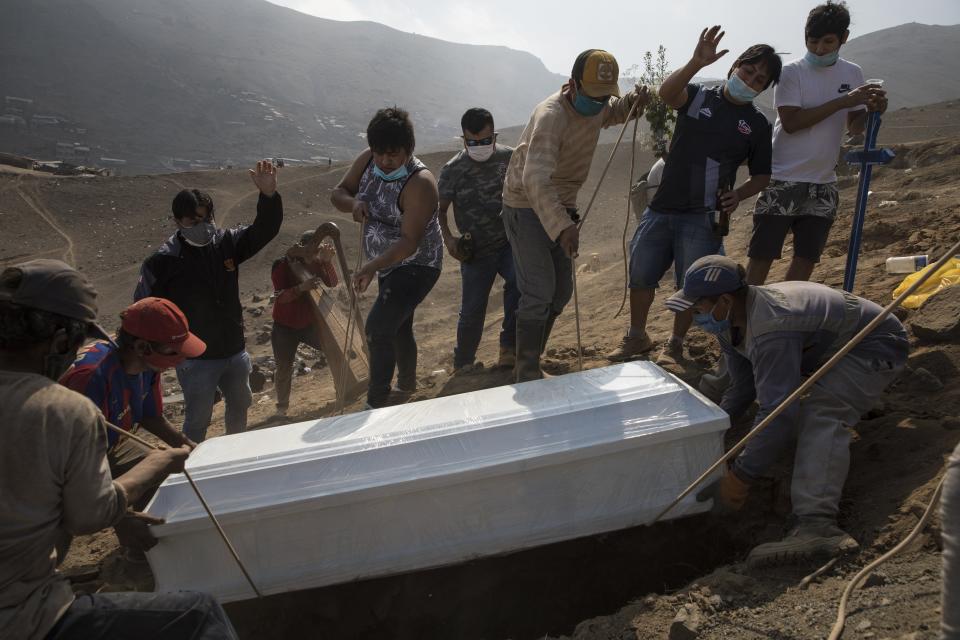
(662, 239)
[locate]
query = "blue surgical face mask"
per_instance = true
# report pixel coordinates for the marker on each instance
(825, 60)
(393, 175)
(739, 90)
(711, 325)
(587, 106)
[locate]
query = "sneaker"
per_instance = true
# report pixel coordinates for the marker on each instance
(671, 353)
(631, 347)
(508, 357)
(804, 543)
(403, 391)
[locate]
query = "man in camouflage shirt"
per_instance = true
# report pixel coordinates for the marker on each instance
(473, 182)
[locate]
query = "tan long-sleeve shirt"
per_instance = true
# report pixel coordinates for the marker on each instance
(553, 158)
(54, 484)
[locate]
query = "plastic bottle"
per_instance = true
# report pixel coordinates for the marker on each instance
(907, 264)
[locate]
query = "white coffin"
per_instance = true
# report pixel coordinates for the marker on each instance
(435, 482)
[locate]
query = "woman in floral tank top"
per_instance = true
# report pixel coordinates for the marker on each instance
(390, 192)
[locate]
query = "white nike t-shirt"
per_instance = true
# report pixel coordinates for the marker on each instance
(810, 155)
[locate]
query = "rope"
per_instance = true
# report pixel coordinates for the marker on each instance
(586, 212)
(348, 347)
(837, 630)
(206, 507)
(626, 223)
(576, 306)
(816, 375)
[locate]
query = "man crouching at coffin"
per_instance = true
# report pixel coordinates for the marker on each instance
(55, 480)
(772, 337)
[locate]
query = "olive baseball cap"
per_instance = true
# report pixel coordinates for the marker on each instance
(599, 75)
(56, 287)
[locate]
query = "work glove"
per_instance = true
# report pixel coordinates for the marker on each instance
(729, 493)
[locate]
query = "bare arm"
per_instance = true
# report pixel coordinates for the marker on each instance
(673, 91)
(449, 240)
(444, 221)
(730, 200)
(794, 119)
(344, 194)
(161, 427)
(151, 471)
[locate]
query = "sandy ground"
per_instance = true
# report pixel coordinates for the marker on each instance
(628, 584)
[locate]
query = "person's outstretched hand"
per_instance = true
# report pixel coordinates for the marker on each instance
(265, 177)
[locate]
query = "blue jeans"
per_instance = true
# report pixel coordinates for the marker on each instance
(199, 380)
(544, 271)
(477, 280)
(144, 616)
(389, 329)
(665, 238)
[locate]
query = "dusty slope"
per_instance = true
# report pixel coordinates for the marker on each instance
(896, 457)
(154, 80)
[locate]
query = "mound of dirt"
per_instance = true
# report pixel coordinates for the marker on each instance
(938, 320)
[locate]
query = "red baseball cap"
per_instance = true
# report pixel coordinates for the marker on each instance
(159, 320)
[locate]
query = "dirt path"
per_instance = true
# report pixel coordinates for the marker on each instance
(281, 185)
(34, 203)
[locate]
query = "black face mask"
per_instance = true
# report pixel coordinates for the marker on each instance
(56, 364)
(200, 234)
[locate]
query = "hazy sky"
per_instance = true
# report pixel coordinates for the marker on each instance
(557, 31)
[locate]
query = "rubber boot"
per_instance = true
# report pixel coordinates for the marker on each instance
(547, 328)
(530, 342)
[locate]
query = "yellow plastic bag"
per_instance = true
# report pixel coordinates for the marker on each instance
(948, 275)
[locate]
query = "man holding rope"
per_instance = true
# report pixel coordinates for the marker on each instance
(123, 381)
(547, 169)
(55, 482)
(772, 337)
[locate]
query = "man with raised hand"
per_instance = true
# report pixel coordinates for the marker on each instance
(198, 269)
(545, 174)
(718, 129)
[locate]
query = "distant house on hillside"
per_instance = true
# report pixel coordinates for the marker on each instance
(44, 121)
(114, 164)
(17, 106)
(72, 152)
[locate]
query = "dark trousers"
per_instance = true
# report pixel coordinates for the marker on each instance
(144, 616)
(389, 329)
(477, 280)
(285, 341)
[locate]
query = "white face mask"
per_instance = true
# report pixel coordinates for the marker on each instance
(482, 153)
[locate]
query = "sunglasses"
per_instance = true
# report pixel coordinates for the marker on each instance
(479, 143)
